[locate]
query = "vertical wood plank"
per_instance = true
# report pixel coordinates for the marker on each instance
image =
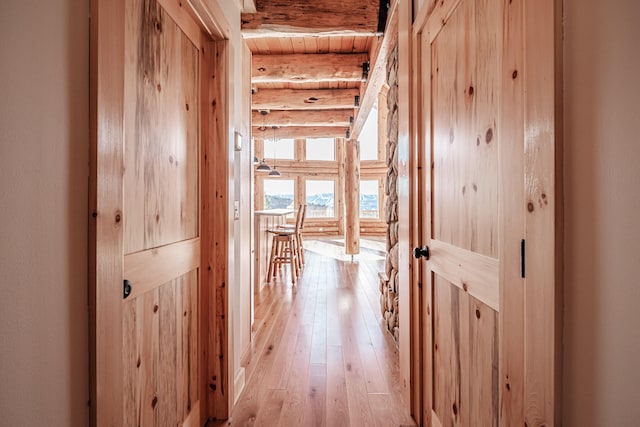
(203, 293)
(219, 102)
(340, 190)
(352, 197)
(511, 163)
(105, 226)
(167, 374)
(543, 192)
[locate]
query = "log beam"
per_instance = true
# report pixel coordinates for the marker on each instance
(305, 68)
(302, 118)
(318, 17)
(295, 132)
(304, 99)
(378, 73)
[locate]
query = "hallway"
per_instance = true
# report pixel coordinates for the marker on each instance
(319, 354)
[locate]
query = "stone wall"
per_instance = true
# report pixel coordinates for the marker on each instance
(388, 280)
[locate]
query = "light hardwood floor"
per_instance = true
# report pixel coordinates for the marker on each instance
(319, 354)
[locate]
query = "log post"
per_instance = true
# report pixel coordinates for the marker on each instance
(352, 197)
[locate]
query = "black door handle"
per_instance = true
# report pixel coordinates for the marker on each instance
(421, 252)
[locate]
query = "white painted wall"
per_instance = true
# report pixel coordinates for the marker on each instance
(44, 155)
(602, 213)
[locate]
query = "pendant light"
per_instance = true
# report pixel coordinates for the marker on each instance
(274, 172)
(263, 166)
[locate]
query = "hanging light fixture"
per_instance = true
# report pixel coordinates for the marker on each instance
(263, 166)
(274, 170)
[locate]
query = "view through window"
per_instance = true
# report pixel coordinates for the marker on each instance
(369, 203)
(320, 198)
(278, 194)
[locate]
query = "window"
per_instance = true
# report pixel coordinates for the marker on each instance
(278, 193)
(279, 149)
(369, 200)
(321, 149)
(369, 137)
(320, 199)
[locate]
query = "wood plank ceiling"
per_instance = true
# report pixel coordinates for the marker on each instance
(311, 62)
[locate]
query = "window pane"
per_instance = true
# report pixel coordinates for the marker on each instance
(369, 137)
(278, 149)
(278, 193)
(320, 199)
(369, 204)
(321, 149)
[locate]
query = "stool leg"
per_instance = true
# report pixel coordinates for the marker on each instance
(299, 238)
(272, 260)
(292, 262)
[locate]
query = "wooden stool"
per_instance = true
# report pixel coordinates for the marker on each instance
(284, 251)
(297, 228)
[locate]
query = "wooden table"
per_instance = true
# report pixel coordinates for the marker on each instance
(264, 220)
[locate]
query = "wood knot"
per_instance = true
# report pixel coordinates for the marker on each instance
(508, 387)
(455, 409)
(488, 136)
(471, 90)
(186, 106)
(118, 218)
(154, 402)
(530, 207)
(262, 69)
(159, 87)
(477, 313)
(155, 308)
(139, 362)
(514, 74)
(159, 26)
(465, 287)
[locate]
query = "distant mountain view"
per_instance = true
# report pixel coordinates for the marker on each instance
(322, 205)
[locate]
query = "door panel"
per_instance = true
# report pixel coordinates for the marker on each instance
(481, 140)
(161, 129)
(161, 186)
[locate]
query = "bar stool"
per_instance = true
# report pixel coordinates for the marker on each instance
(285, 248)
(302, 213)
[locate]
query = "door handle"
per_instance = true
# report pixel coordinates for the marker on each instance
(421, 252)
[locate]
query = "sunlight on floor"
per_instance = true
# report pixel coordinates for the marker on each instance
(370, 250)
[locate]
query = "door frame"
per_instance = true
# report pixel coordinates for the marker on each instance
(539, 198)
(199, 19)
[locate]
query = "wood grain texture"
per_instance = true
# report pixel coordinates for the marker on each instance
(160, 358)
(512, 227)
(215, 203)
(319, 17)
(106, 205)
(473, 273)
(301, 68)
(286, 386)
(302, 118)
(352, 197)
(543, 220)
(301, 132)
(153, 267)
(161, 137)
(304, 99)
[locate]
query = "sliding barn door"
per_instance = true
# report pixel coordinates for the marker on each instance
(487, 129)
(147, 241)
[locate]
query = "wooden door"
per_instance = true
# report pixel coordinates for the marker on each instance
(487, 127)
(146, 230)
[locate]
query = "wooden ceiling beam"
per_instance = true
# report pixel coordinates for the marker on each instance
(304, 68)
(297, 132)
(378, 72)
(304, 99)
(302, 118)
(317, 17)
